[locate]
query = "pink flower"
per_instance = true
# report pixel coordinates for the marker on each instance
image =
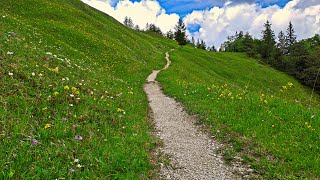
(78, 137)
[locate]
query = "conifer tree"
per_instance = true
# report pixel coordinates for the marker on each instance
(180, 33)
(290, 38)
(281, 45)
(268, 42)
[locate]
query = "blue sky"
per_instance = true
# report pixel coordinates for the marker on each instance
(214, 25)
(184, 7)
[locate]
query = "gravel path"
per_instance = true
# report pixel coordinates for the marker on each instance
(192, 153)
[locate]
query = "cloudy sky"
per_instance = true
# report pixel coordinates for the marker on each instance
(214, 20)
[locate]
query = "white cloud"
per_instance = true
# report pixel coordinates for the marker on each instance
(217, 23)
(141, 13)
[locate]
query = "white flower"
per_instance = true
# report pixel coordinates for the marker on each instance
(79, 165)
(76, 160)
(33, 74)
(10, 53)
(71, 95)
(40, 75)
(10, 74)
(4, 16)
(70, 105)
(63, 79)
(48, 53)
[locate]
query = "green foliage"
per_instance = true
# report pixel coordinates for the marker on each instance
(180, 33)
(70, 94)
(266, 116)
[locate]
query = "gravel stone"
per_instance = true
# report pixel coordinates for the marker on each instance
(192, 152)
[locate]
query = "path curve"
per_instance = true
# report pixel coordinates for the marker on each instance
(192, 152)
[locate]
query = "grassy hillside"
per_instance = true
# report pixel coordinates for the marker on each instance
(71, 98)
(265, 116)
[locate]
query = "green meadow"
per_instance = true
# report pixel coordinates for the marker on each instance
(264, 116)
(72, 104)
(71, 97)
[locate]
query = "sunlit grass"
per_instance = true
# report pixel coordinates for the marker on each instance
(71, 98)
(266, 116)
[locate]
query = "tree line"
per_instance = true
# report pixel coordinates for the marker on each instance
(300, 59)
(297, 58)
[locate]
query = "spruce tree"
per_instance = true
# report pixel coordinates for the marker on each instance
(180, 33)
(268, 43)
(281, 45)
(290, 38)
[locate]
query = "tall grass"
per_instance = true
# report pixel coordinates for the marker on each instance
(71, 98)
(262, 114)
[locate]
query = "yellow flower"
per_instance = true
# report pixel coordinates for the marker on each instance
(55, 70)
(290, 84)
(74, 89)
(66, 88)
(272, 125)
(265, 101)
(47, 126)
(284, 87)
(130, 92)
(209, 89)
(119, 110)
(56, 93)
(77, 92)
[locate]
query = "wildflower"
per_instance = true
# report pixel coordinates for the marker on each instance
(142, 176)
(71, 105)
(130, 92)
(79, 165)
(75, 125)
(284, 87)
(272, 125)
(10, 74)
(265, 101)
(76, 160)
(63, 79)
(74, 89)
(48, 53)
(56, 93)
(64, 119)
(312, 117)
(35, 143)
(77, 92)
(55, 70)
(47, 126)
(119, 110)
(10, 53)
(209, 89)
(40, 75)
(72, 170)
(77, 137)
(33, 74)
(44, 109)
(66, 87)
(71, 95)
(290, 84)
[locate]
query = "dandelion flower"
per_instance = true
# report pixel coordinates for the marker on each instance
(74, 89)
(48, 126)
(56, 93)
(77, 92)
(66, 87)
(119, 110)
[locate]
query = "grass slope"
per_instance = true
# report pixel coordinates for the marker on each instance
(71, 98)
(263, 114)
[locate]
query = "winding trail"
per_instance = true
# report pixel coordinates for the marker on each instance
(192, 153)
